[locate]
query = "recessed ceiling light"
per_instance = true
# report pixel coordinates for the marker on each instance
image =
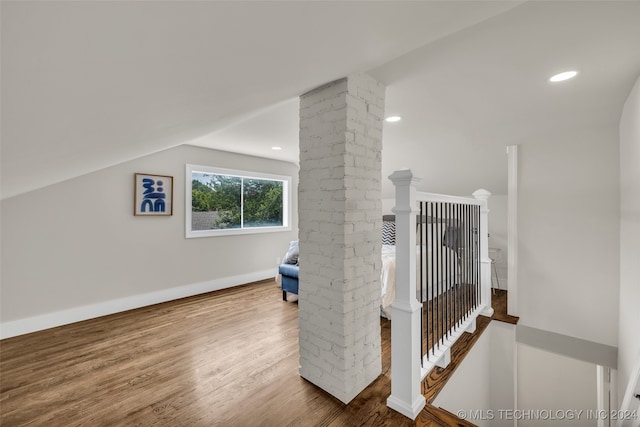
(392, 119)
(560, 77)
(276, 148)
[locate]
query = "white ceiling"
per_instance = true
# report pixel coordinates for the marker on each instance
(86, 85)
(467, 96)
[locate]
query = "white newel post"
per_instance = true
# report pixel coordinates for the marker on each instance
(406, 396)
(485, 261)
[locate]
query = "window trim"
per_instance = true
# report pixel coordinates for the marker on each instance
(286, 201)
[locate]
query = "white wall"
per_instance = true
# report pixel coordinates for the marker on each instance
(468, 389)
(484, 381)
(502, 368)
(498, 236)
(550, 382)
(568, 233)
(388, 204)
(75, 246)
(629, 338)
(497, 369)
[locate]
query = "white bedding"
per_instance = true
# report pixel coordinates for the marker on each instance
(447, 275)
(388, 278)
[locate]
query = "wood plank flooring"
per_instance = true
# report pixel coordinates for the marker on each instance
(228, 358)
(499, 304)
(434, 416)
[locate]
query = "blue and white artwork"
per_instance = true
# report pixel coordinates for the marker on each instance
(154, 194)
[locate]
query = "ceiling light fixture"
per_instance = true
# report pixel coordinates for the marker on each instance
(392, 119)
(276, 148)
(560, 77)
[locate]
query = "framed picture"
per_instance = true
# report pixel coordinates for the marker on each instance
(153, 195)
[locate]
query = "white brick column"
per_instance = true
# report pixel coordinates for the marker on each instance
(340, 222)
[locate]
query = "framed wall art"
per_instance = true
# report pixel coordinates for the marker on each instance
(153, 195)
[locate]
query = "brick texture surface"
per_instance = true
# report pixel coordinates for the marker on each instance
(340, 222)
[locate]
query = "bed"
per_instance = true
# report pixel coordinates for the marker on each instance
(435, 259)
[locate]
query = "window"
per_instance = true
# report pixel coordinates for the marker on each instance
(224, 201)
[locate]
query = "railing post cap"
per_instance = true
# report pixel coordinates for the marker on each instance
(481, 194)
(403, 177)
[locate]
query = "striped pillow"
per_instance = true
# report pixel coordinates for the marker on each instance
(388, 233)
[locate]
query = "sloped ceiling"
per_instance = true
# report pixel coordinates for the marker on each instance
(86, 85)
(467, 96)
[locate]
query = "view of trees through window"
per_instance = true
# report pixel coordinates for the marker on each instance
(227, 201)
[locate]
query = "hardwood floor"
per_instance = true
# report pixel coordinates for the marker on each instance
(499, 304)
(225, 358)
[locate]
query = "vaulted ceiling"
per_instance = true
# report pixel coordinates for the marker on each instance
(87, 85)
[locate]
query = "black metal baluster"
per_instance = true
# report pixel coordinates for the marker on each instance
(462, 243)
(433, 293)
(423, 332)
(472, 249)
(445, 268)
(469, 257)
(462, 228)
(467, 242)
(478, 265)
(457, 270)
(454, 290)
(445, 281)
(454, 295)
(439, 275)
(443, 278)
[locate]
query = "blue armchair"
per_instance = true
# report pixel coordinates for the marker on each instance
(289, 274)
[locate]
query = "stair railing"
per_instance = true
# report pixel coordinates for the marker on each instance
(443, 282)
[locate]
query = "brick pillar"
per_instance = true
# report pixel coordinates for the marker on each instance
(340, 222)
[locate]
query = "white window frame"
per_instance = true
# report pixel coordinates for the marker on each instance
(286, 201)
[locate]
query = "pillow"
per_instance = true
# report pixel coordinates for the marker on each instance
(292, 254)
(388, 233)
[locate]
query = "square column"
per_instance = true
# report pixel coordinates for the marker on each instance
(340, 229)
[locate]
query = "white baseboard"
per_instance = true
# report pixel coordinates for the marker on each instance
(77, 314)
